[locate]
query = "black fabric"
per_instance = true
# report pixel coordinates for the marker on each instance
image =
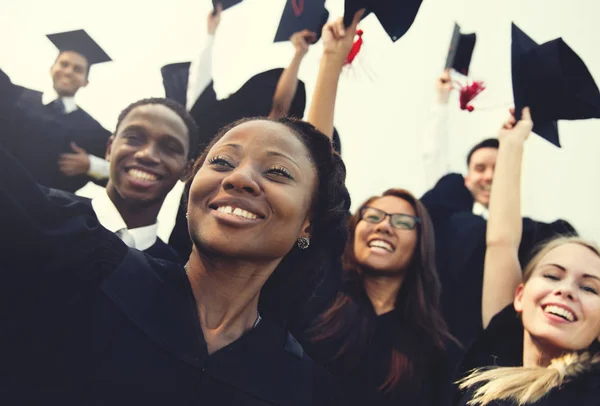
(460, 51)
(79, 41)
(501, 344)
(41, 134)
(361, 378)
(87, 321)
(573, 94)
(395, 16)
(460, 252)
(300, 15)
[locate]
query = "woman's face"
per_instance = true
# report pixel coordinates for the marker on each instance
(381, 247)
(560, 303)
(251, 198)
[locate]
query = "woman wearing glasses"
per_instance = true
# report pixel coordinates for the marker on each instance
(383, 336)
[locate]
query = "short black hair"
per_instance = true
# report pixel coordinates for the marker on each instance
(487, 143)
(191, 125)
(296, 277)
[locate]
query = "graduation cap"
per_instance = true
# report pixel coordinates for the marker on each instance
(553, 81)
(460, 51)
(396, 16)
(299, 15)
(175, 81)
(225, 3)
(79, 41)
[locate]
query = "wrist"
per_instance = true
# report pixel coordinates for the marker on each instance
(332, 60)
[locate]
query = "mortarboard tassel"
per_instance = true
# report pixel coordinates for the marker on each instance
(468, 93)
(355, 48)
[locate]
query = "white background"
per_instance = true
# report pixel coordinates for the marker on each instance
(384, 99)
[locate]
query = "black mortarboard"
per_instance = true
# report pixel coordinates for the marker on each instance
(225, 3)
(299, 15)
(175, 81)
(460, 51)
(79, 41)
(553, 81)
(396, 16)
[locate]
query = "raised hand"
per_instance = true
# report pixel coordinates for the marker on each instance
(443, 87)
(513, 130)
(302, 41)
(213, 19)
(337, 39)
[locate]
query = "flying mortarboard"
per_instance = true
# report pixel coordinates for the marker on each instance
(79, 41)
(175, 81)
(553, 81)
(396, 16)
(299, 15)
(225, 3)
(460, 51)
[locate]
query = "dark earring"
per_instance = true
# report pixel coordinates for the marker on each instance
(303, 243)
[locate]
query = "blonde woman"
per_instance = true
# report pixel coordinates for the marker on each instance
(542, 325)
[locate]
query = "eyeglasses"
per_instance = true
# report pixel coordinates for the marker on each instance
(398, 220)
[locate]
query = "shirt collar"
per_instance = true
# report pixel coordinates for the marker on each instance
(480, 210)
(68, 102)
(110, 218)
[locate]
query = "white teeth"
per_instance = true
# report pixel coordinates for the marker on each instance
(559, 311)
(487, 187)
(381, 244)
(237, 212)
(136, 173)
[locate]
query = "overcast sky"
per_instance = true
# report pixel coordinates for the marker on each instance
(384, 100)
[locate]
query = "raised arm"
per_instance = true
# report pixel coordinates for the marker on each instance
(288, 81)
(502, 271)
(200, 74)
(436, 160)
(337, 42)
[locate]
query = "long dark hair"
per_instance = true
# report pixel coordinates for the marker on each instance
(295, 278)
(350, 320)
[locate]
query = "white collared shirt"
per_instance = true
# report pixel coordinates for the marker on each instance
(68, 102)
(480, 210)
(110, 218)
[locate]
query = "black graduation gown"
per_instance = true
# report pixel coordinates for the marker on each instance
(85, 320)
(460, 252)
(45, 133)
(501, 344)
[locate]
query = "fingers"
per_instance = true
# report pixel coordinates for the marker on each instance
(338, 29)
(76, 148)
(217, 10)
(357, 16)
(526, 114)
(445, 78)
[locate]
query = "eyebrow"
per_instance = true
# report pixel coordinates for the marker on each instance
(562, 268)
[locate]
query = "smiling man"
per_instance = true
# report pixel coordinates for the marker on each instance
(79, 156)
(148, 153)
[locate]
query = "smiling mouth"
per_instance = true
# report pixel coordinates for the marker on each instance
(560, 312)
(142, 175)
(236, 211)
(381, 244)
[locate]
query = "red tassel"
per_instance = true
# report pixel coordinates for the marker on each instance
(355, 48)
(468, 93)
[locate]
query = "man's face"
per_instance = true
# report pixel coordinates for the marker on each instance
(481, 173)
(148, 155)
(69, 73)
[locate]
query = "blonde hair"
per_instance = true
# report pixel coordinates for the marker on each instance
(528, 385)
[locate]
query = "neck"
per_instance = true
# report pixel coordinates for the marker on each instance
(134, 214)
(383, 291)
(226, 292)
(537, 353)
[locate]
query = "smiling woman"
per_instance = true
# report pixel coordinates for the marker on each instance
(543, 339)
(87, 320)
